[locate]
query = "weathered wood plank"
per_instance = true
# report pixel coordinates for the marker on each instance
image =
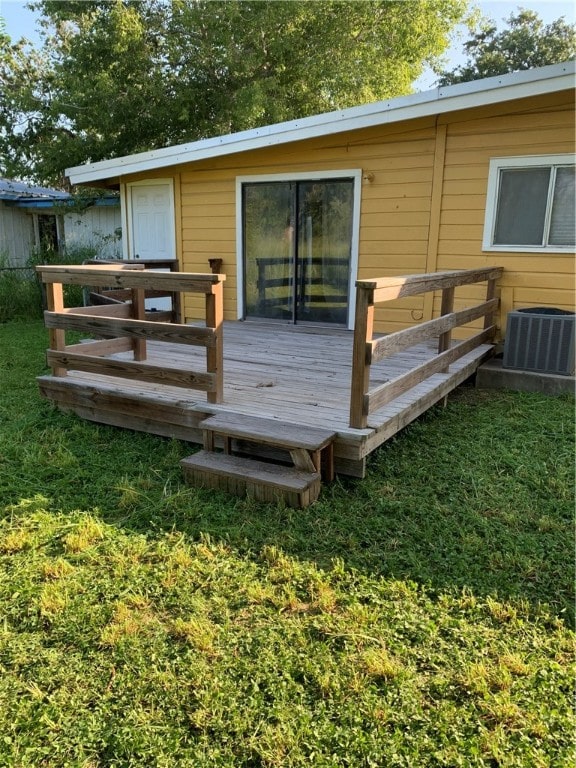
(422, 397)
(379, 397)
(57, 337)
(103, 397)
(273, 432)
(388, 288)
(101, 310)
(124, 294)
(396, 342)
(101, 347)
(139, 314)
(132, 370)
(273, 475)
(130, 278)
(138, 329)
(363, 330)
(215, 353)
(302, 460)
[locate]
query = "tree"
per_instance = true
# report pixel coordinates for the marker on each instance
(525, 44)
(116, 77)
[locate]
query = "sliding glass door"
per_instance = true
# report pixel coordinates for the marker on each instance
(297, 249)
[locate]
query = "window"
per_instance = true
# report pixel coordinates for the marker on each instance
(530, 204)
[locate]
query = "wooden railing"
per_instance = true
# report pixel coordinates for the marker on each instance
(363, 400)
(122, 327)
(105, 295)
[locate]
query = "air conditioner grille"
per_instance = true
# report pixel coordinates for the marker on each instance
(540, 339)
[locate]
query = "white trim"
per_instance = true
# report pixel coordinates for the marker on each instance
(492, 90)
(498, 164)
(126, 234)
(129, 222)
(355, 174)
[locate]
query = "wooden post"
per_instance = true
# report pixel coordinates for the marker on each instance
(447, 306)
(490, 294)
(139, 313)
(57, 336)
(363, 328)
(176, 297)
(215, 354)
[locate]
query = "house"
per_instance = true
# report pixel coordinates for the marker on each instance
(466, 176)
(424, 219)
(33, 217)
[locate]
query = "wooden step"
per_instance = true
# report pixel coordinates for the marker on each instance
(311, 448)
(282, 434)
(263, 481)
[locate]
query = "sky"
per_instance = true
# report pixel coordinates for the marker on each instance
(21, 22)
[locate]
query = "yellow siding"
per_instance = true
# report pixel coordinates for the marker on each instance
(395, 210)
(423, 209)
(539, 126)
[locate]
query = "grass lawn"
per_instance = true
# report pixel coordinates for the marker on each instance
(420, 617)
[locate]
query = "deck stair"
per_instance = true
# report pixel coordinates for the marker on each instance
(310, 448)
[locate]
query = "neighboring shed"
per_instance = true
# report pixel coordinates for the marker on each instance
(460, 177)
(97, 226)
(23, 225)
(32, 217)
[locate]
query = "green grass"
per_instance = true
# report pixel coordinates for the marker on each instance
(420, 617)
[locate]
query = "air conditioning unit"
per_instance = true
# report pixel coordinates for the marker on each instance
(540, 339)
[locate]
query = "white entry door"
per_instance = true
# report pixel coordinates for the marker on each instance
(152, 235)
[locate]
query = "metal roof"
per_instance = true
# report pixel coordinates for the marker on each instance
(492, 90)
(19, 190)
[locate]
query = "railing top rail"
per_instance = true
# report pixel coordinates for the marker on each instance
(408, 285)
(130, 262)
(128, 276)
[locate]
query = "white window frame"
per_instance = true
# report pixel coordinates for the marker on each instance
(354, 174)
(499, 164)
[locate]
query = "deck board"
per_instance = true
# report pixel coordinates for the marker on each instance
(296, 374)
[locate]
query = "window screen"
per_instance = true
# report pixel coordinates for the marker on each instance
(563, 219)
(522, 200)
(535, 205)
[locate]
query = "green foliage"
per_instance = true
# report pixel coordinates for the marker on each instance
(411, 619)
(115, 78)
(525, 44)
(21, 295)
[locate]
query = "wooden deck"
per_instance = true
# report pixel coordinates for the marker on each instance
(318, 400)
(297, 374)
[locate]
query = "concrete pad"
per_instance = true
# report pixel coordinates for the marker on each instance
(492, 375)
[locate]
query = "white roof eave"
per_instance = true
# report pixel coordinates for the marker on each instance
(550, 79)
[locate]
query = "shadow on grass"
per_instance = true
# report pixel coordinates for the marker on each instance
(475, 496)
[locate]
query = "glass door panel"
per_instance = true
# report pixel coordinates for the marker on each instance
(269, 250)
(324, 250)
(297, 250)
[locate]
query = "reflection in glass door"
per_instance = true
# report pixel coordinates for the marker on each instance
(297, 250)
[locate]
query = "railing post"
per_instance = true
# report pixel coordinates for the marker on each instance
(490, 294)
(447, 307)
(215, 354)
(363, 328)
(57, 336)
(139, 313)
